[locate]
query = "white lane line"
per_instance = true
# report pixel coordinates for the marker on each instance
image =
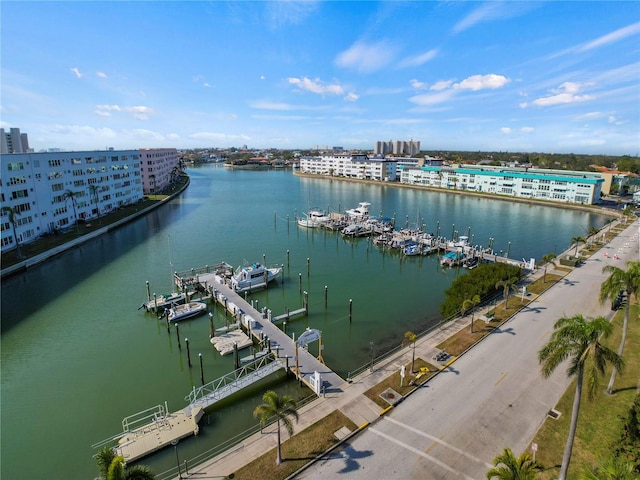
(441, 442)
(422, 454)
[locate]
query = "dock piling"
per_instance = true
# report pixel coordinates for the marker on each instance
(308, 267)
(201, 369)
(326, 295)
(178, 336)
(212, 331)
(300, 282)
(350, 309)
(148, 292)
(186, 341)
(288, 263)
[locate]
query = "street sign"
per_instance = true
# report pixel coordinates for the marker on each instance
(308, 336)
(534, 447)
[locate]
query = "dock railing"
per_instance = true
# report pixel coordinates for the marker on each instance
(229, 379)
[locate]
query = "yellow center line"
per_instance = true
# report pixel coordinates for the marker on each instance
(501, 378)
(430, 447)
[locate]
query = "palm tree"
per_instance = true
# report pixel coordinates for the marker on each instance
(93, 190)
(578, 339)
(13, 212)
(612, 469)
(507, 285)
(577, 241)
(282, 407)
(546, 259)
(620, 280)
(70, 194)
(410, 339)
(508, 467)
(113, 467)
(470, 304)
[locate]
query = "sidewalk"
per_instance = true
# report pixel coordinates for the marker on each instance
(351, 401)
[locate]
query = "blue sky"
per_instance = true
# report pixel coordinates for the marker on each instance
(500, 75)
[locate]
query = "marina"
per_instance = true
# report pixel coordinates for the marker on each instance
(61, 339)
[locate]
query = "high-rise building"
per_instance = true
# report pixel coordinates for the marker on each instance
(13, 142)
(397, 147)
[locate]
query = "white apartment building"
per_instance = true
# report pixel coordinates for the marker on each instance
(38, 187)
(554, 185)
(159, 167)
(351, 166)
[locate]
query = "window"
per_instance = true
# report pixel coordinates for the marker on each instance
(19, 194)
(55, 163)
(57, 187)
(15, 166)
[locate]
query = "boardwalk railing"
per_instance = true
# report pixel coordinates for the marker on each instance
(234, 381)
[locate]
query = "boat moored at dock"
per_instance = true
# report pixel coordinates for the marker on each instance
(252, 277)
(161, 302)
(188, 310)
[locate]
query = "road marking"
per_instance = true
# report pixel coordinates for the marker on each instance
(430, 447)
(418, 452)
(501, 378)
(438, 440)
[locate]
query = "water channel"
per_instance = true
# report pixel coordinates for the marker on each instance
(78, 356)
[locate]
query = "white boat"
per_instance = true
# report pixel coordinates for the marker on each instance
(354, 230)
(252, 277)
(162, 302)
(314, 218)
(188, 310)
(361, 211)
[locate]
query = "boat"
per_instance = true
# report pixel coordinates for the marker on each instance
(412, 249)
(314, 218)
(161, 302)
(354, 230)
(452, 258)
(252, 277)
(361, 211)
(471, 263)
(188, 310)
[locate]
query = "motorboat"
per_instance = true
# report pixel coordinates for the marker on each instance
(161, 302)
(353, 230)
(314, 218)
(252, 277)
(361, 211)
(187, 310)
(412, 249)
(452, 258)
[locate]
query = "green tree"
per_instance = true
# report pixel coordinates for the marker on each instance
(13, 213)
(611, 469)
(510, 467)
(507, 285)
(546, 259)
(93, 190)
(470, 304)
(282, 407)
(578, 340)
(113, 467)
(71, 195)
(577, 241)
(620, 280)
(410, 339)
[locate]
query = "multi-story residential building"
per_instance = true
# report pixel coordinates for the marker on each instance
(50, 191)
(397, 147)
(555, 185)
(351, 166)
(159, 167)
(13, 142)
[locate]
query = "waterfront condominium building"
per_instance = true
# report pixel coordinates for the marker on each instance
(554, 185)
(159, 168)
(48, 192)
(397, 147)
(351, 166)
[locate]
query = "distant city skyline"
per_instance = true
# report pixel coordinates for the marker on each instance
(556, 77)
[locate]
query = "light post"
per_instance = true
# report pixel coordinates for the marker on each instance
(508, 248)
(371, 366)
(175, 447)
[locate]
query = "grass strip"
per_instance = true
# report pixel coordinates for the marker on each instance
(297, 451)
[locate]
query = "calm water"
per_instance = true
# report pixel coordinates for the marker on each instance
(77, 355)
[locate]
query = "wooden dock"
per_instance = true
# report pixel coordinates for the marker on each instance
(260, 327)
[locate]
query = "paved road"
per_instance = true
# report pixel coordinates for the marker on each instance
(491, 398)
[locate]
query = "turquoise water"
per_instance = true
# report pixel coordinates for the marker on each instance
(78, 356)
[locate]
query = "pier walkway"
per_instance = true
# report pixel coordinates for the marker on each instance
(260, 327)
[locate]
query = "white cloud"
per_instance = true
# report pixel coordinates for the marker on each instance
(418, 60)
(527, 129)
(351, 97)
(366, 58)
(481, 82)
(139, 112)
(566, 93)
(441, 85)
(417, 84)
(505, 130)
(428, 99)
(266, 105)
(76, 72)
(316, 86)
(101, 74)
(493, 10)
(612, 37)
